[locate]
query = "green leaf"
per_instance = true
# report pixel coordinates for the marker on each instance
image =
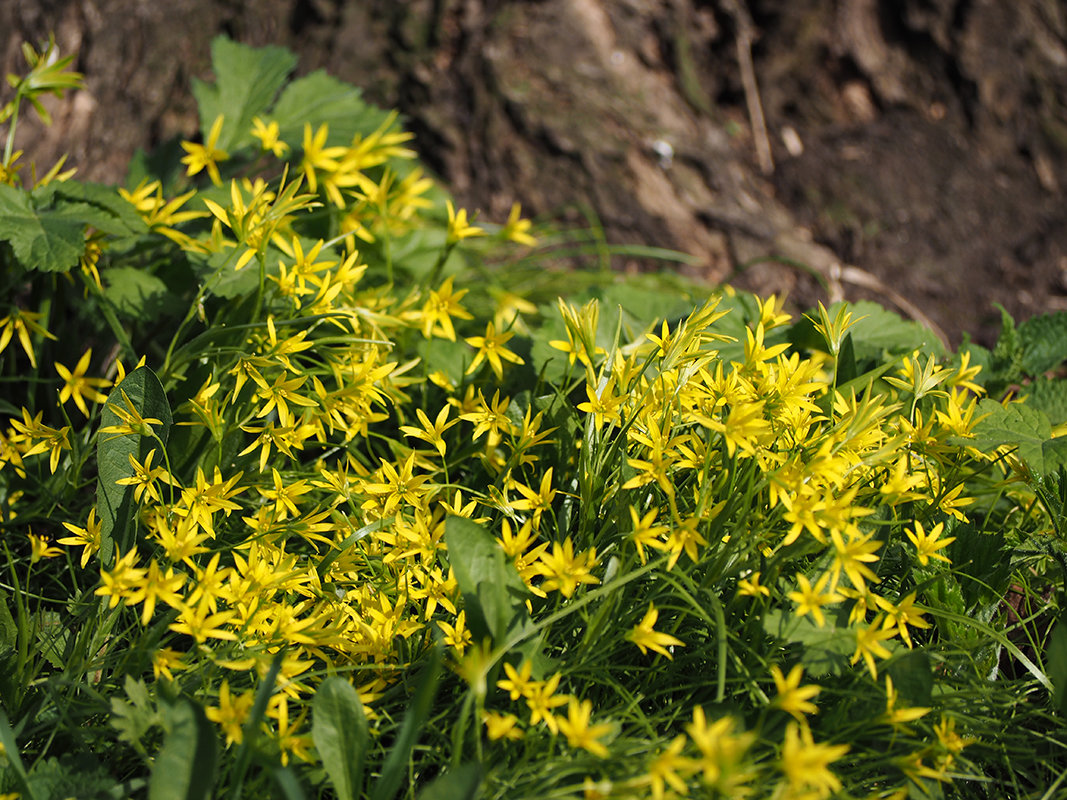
(826, 649)
(1050, 396)
(1028, 429)
(185, 766)
(94, 204)
(288, 783)
(1043, 340)
(493, 593)
(1056, 663)
(319, 98)
(339, 730)
(461, 783)
(396, 763)
(115, 505)
(8, 628)
(40, 239)
(137, 293)
(246, 81)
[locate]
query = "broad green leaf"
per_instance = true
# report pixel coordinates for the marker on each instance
(827, 649)
(1044, 342)
(246, 81)
(288, 783)
(320, 98)
(460, 783)
(396, 762)
(1050, 396)
(93, 204)
(1026, 428)
(913, 677)
(40, 239)
(493, 593)
(184, 769)
(115, 505)
(137, 293)
(339, 730)
(1056, 663)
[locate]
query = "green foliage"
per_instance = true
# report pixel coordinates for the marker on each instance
(381, 515)
(339, 728)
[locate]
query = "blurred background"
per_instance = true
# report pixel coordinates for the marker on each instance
(908, 151)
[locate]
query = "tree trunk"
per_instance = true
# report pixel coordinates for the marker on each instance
(912, 151)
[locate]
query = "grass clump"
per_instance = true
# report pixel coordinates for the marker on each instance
(312, 485)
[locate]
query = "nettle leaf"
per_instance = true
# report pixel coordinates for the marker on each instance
(1044, 342)
(246, 82)
(40, 238)
(115, 505)
(137, 293)
(93, 204)
(339, 730)
(1028, 429)
(493, 593)
(1050, 396)
(184, 769)
(320, 98)
(826, 649)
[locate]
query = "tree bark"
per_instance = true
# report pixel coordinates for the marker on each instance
(911, 151)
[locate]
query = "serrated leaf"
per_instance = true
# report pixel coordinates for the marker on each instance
(1050, 396)
(184, 769)
(115, 505)
(493, 593)
(320, 98)
(1028, 429)
(40, 239)
(246, 82)
(136, 293)
(826, 649)
(339, 730)
(93, 204)
(1043, 340)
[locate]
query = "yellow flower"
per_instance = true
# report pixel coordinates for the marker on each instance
(440, 307)
(805, 764)
(517, 683)
(207, 155)
(579, 733)
(646, 638)
(901, 615)
(810, 599)
(670, 768)
(501, 726)
(516, 229)
(869, 644)
(564, 571)
(268, 137)
(458, 227)
(751, 587)
(491, 348)
(645, 533)
(231, 712)
(88, 538)
(898, 717)
(20, 324)
(792, 697)
(927, 544)
(39, 548)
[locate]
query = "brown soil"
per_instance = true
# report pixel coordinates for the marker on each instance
(909, 150)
